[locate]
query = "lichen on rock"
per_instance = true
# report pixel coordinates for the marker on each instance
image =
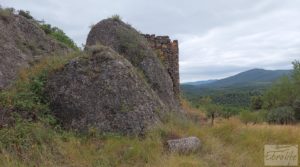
(129, 43)
(121, 86)
(22, 42)
(105, 92)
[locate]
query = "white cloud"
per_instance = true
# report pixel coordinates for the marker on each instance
(269, 40)
(217, 37)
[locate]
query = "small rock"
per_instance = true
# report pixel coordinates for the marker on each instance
(184, 145)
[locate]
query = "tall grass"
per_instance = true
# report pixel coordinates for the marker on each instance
(228, 143)
(27, 92)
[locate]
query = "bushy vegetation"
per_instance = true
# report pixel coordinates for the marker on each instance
(130, 44)
(6, 12)
(116, 17)
(281, 115)
(54, 32)
(279, 104)
(213, 110)
(26, 14)
(256, 103)
(282, 99)
(28, 91)
(252, 117)
(59, 35)
(234, 97)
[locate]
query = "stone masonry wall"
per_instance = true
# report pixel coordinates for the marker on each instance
(168, 52)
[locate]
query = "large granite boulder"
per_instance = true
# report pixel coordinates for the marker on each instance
(22, 42)
(103, 91)
(135, 48)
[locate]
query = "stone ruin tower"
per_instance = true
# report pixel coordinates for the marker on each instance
(168, 52)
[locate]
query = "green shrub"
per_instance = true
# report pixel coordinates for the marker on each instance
(227, 112)
(6, 12)
(28, 91)
(282, 93)
(37, 85)
(59, 35)
(256, 102)
(47, 28)
(25, 14)
(28, 95)
(205, 100)
(252, 117)
(116, 17)
(285, 91)
(281, 115)
(213, 111)
(262, 115)
(130, 44)
(54, 32)
(296, 107)
(23, 135)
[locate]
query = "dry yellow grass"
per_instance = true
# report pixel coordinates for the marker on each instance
(228, 143)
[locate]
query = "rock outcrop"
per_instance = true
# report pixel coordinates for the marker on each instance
(121, 86)
(21, 43)
(134, 47)
(103, 91)
(184, 145)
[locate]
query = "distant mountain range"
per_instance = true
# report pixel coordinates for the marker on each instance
(197, 83)
(235, 90)
(254, 77)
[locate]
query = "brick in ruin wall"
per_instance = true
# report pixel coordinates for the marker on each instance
(168, 52)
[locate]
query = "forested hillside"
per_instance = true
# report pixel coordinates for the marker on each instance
(236, 90)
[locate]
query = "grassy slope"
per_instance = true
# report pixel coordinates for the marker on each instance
(228, 143)
(42, 143)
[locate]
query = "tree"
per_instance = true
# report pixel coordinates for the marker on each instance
(25, 14)
(283, 98)
(296, 77)
(281, 115)
(256, 102)
(252, 117)
(296, 107)
(282, 93)
(212, 112)
(285, 91)
(227, 112)
(246, 117)
(47, 28)
(205, 100)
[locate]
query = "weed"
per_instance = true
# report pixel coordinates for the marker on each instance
(116, 17)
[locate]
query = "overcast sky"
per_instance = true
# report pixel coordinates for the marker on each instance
(217, 38)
